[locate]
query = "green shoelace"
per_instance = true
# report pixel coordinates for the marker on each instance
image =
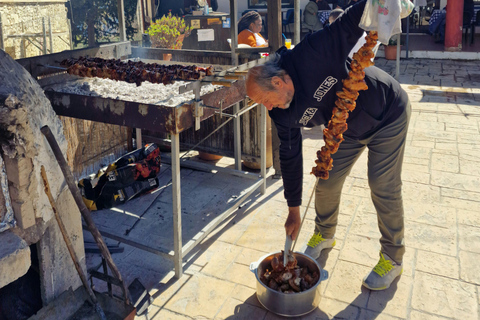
(315, 240)
(383, 266)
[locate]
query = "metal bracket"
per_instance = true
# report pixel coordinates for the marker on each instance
(198, 110)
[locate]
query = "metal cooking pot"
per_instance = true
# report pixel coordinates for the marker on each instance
(288, 304)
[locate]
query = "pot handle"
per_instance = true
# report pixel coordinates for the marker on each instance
(323, 275)
(254, 266)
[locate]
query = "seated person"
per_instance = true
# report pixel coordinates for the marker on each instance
(323, 5)
(310, 17)
(249, 27)
(334, 14)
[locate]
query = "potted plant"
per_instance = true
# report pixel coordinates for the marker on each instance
(168, 32)
(391, 48)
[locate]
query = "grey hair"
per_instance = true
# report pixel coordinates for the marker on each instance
(262, 75)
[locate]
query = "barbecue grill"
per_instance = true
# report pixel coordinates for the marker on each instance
(170, 119)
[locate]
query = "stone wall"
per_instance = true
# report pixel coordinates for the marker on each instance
(26, 18)
(24, 109)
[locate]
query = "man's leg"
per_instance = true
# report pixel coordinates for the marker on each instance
(327, 197)
(385, 158)
(328, 192)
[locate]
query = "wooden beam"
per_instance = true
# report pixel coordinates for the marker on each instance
(233, 31)
(274, 20)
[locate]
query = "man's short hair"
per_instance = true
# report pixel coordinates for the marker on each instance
(262, 75)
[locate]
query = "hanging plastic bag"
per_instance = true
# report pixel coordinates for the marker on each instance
(385, 17)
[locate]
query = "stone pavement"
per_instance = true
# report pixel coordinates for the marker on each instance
(441, 175)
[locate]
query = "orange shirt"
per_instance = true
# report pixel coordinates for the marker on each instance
(247, 37)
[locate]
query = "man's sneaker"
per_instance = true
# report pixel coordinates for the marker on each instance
(383, 274)
(316, 244)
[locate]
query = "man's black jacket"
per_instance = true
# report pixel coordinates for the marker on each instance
(317, 66)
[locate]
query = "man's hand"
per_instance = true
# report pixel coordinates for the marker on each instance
(292, 225)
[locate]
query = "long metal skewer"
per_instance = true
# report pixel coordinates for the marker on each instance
(305, 214)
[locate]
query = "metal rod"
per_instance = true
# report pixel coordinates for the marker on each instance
(81, 205)
(50, 33)
(237, 143)
(177, 206)
(2, 45)
(306, 209)
(44, 36)
(51, 67)
(71, 250)
(263, 147)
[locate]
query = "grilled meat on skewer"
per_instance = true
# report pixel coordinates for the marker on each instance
(333, 134)
(134, 72)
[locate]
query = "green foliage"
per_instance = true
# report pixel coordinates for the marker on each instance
(101, 16)
(168, 32)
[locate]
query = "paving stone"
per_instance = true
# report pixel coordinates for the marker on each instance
(417, 315)
(240, 274)
(429, 213)
(246, 294)
(461, 203)
(469, 267)
(456, 181)
(469, 167)
(446, 146)
(420, 192)
(367, 315)
(361, 250)
(411, 165)
(417, 161)
(443, 162)
(393, 301)
(346, 284)
(219, 257)
(201, 296)
(334, 309)
(235, 309)
(437, 264)
(365, 224)
(164, 314)
(429, 126)
(167, 288)
(247, 256)
(431, 238)
(444, 297)
(469, 238)
(471, 218)
(366, 205)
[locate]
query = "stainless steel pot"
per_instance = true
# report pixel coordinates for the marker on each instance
(288, 304)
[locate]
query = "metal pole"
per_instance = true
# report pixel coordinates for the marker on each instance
(177, 206)
(397, 68)
(121, 20)
(138, 133)
(296, 30)
(408, 33)
(44, 36)
(51, 36)
(237, 141)
(2, 46)
(70, 34)
(263, 147)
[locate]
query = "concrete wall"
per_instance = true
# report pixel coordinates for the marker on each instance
(26, 18)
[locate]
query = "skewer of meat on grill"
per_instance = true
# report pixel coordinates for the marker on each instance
(345, 103)
(134, 72)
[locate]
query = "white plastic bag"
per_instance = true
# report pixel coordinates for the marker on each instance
(384, 16)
